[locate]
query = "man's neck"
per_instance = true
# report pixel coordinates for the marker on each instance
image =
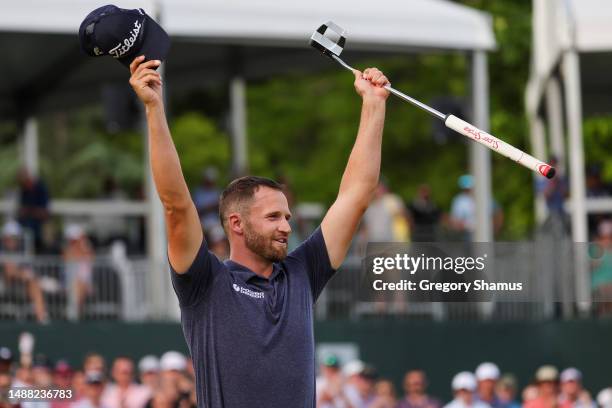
(260, 266)
(416, 398)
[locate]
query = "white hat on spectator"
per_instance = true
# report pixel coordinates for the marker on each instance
(73, 231)
(487, 371)
(571, 374)
(172, 360)
(148, 364)
(354, 367)
(604, 398)
(464, 381)
(547, 373)
(11, 228)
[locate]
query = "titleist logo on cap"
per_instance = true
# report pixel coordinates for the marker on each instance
(120, 49)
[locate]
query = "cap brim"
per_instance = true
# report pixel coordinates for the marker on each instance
(155, 45)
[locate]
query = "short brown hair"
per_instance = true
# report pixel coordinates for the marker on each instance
(240, 191)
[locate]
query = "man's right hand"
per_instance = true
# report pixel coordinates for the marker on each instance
(145, 81)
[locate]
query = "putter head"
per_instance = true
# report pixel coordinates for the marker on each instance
(329, 39)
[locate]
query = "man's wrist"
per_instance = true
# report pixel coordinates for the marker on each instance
(153, 106)
(374, 99)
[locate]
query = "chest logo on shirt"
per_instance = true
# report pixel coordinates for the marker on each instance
(248, 292)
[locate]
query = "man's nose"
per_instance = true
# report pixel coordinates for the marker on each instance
(285, 227)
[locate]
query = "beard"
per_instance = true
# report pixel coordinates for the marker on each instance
(263, 245)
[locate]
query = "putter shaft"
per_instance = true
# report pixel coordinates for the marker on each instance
(397, 93)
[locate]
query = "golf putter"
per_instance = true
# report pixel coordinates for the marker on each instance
(330, 40)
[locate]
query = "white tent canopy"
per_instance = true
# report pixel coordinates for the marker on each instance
(231, 41)
(415, 23)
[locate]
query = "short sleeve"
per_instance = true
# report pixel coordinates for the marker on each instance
(190, 287)
(312, 253)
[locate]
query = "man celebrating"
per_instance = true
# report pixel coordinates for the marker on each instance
(248, 320)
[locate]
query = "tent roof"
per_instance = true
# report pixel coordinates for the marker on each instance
(42, 62)
(560, 25)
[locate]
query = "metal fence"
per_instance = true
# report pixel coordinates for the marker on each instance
(97, 290)
(121, 288)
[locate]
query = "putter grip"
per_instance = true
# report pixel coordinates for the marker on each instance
(493, 143)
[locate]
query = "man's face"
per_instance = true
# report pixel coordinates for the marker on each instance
(414, 383)
(486, 386)
(547, 388)
(266, 224)
(123, 371)
(571, 388)
(464, 395)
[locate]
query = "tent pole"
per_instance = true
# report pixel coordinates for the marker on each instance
(480, 155)
(481, 165)
(555, 121)
(571, 70)
(29, 147)
(238, 119)
(538, 146)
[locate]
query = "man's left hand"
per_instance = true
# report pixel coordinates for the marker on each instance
(369, 84)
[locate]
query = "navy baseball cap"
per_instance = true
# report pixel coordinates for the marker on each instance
(123, 34)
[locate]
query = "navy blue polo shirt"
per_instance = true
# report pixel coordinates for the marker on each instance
(251, 338)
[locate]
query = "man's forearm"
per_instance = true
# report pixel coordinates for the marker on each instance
(363, 168)
(165, 164)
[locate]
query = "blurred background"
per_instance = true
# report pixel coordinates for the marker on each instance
(83, 267)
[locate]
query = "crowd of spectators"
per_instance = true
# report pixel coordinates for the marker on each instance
(169, 381)
(164, 382)
(357, 385)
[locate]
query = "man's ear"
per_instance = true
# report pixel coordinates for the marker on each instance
(235, 223)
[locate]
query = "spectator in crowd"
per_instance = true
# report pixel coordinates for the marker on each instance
(172, 364)
(463, 210)
(6, 359)
(424, 216)
(464, 385)
(94, 362)
(33, 210)
(124, 392)
(16, 270)
(62, 380)
(415, 387)
(573, 395)
(93, 390)
(148, 367)
(206, 198)
(604, 398)
(595, 186)
(330, 384)
(41, 372)
(360, 380)
(555, 191)
(175, 382)
(384, 395)
(546, 378)
(601, 275)
(487, 375)
(386, 219)
(506, 392)
(78, 257)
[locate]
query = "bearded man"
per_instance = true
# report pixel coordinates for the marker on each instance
(248, 321)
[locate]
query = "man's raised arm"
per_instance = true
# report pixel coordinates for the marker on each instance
(182, 223)
(362, 170)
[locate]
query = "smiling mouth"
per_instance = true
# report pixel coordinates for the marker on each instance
(282, 241)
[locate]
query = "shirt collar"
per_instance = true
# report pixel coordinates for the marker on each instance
(247, 273)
